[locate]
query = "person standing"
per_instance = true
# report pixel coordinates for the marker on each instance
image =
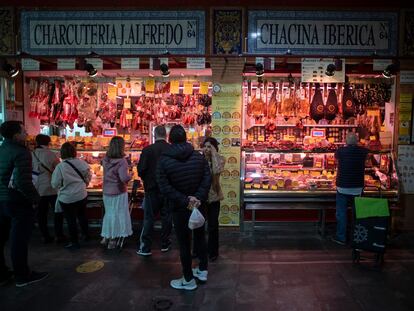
(154, 202)
(117, 220)
(71, 177)
(183, 176)
(349, 182)
(45, 162)
(17, 196)
(216, 163)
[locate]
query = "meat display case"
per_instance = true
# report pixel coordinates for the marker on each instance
(291, 132)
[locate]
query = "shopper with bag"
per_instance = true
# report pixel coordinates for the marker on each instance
(154, 203)
(216, 163)
(44, 162)
(117, 220)
(349, 182)
(183, 176)
(17, 197)
(71, 177)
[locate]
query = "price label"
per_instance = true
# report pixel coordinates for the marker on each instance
(127, 103)
(112, 90)
(129, 116)
(175, 87)
(188, 88)
(204, 88)
(331, 140)
(150, 85)
(372, 138)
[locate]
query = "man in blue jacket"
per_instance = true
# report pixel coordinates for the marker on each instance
(349, 181)
(17, 196)
(183, 176)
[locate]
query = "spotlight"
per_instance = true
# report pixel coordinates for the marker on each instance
(165, 71)
(330, 70)
(10, 69)
(259, 70)
(390, 71)
(92, 72)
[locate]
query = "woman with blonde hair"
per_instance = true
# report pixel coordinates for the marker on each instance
(116, 221)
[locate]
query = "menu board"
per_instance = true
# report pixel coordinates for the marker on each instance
(226, 128)
(313, 70)
(405, 166)
(405, 113)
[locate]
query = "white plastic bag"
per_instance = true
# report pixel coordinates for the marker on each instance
(196, 219)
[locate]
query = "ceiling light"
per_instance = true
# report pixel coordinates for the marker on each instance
(330, 70)
(390, 71)
(259, 70)
(165, 72)
(10, 69)
(92, 72)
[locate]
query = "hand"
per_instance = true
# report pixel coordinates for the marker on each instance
(193, 203)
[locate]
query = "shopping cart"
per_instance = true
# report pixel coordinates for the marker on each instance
(370, 228)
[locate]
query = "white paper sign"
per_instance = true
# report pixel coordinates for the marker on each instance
(313, 70)
(381, 64)
(405, 165)
(95, 62)
(30, 64)
(196, 63)
(406, 77)
(130, 63)
(66, 63)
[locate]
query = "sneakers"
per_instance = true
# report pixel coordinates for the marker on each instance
(183, 284)
(335, 240)
(201, 275)
(33, 278)
(144, 254)
(166, 248)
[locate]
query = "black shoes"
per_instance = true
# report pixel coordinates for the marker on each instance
(32, 278)
(339, 242)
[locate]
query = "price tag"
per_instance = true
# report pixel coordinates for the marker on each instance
(306, 172)
(274, 187)
(127, 103)
(188, 88)
(372, 138)
(127, 137)
(265, 187)
(331, 140)
(248, 186)
(150, 85)
(175, 87)
(256, 186)
(204, 88)
(112, 90)
(129, 116)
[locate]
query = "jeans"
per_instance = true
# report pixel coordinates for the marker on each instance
(42, 211)
(154, 203)
(180, 219)
(213, 211)
(72, 211)
(16, 222)
(343, 201)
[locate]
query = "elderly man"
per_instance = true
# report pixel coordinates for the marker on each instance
(349, 181)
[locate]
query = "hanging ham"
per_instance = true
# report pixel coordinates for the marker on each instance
(331, 108)
(317, 108)
(348, 104)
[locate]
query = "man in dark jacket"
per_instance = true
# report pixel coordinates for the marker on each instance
(154, 202)
(183, 176)
(349, 181)
(17, 196)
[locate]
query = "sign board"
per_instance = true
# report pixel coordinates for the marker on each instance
(130, 63)
(95, 62)
(66, 64)
(322, 32)
(113, 32)
(196, 63)
(380, 64)
(405, 165)
(406, 77)
(313, 70)
(30, 64)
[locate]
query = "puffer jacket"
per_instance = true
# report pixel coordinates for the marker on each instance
(16, 159)
(49, 159)
(116, 176)
(183, 172)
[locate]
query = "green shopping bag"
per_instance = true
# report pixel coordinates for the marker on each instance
(371, 207)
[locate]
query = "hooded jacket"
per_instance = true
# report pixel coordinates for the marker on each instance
(49, 159)
(116, 176)
(16, 159)
(183, 172)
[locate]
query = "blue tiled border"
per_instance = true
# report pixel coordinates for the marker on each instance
(27, 16)
(390, 17)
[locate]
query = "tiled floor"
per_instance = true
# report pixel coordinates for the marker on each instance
(287, 268)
